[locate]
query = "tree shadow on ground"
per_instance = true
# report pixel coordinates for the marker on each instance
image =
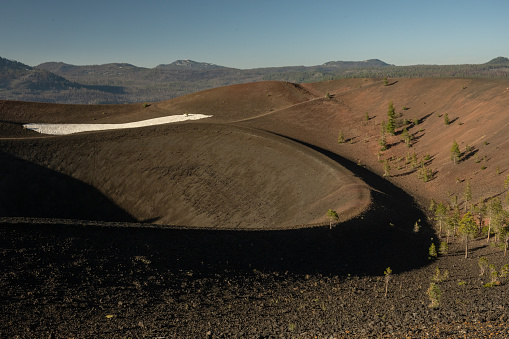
(469, 154)
(424, 118)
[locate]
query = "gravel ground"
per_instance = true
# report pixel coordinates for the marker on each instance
(63, 280)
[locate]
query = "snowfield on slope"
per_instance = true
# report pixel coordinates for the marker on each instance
(63, 129)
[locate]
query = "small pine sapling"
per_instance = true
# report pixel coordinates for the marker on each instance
(333, 217)
(388, 276)
(452, 223)
(483, 264)
(391, 124)
(432, 251)
(417, 226)
(455, 153)
(493, 276)
(504, 236)
(444, 248)
(496, 214)
(407, 138)
(440, 276)
(414, 160)
(454, 201)
(341, 137)
(440, 216)
(408, 158)
(425, 174)
(432, 205)
(434, 294)
(504, 271)
(468, 229)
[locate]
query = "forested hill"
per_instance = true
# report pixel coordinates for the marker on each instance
(125, 83)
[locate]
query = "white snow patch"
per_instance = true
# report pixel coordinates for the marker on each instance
(63, 129)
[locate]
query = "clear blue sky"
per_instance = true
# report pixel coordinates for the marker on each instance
(249, 34)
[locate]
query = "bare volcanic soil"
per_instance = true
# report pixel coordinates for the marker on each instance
(217, 228)
(71, 280)
(195, 174)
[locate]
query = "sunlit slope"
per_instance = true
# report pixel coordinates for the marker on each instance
(226, 104)
(478, 110)
(236, 102)
(205, 175)
(253, 174)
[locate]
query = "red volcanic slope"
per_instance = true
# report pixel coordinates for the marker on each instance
(252, 178)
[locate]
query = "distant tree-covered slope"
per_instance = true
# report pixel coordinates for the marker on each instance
(22, 82)
(126, 83)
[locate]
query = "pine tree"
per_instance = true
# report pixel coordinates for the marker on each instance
(391, 124)
(387, 273)
(495, 215)
(504, 235)
(480, 211)
(440, 216)
(341, 137)
(434, 293)
(407, 137)
(468, 229)
(432, 205)
(333, 216)
(467, 194)
(432, 251)
(455, 153)
(452, 223)
(446, 119)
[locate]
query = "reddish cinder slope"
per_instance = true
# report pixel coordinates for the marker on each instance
(136, 168)
(477, 108)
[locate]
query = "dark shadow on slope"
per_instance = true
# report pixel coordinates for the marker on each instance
(30, 190)
(423, 119)
(363, 246)
(369, 178)
(469, 154)
(380, 238)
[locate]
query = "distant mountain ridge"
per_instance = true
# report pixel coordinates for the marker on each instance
(498, 61)
(20, 77)
(365, 63)
(115, 83)
(189, 64)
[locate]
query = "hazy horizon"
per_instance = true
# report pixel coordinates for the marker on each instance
(254, 34)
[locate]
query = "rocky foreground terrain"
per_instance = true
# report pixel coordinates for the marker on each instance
(75, 281)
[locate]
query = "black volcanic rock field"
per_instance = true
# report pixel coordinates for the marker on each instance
(217, 228)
